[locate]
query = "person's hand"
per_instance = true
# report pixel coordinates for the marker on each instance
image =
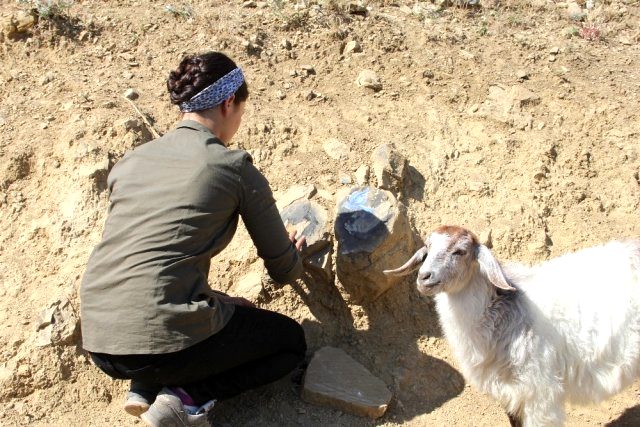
(299, 243)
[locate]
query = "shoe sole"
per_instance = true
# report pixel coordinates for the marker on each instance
(136, 408)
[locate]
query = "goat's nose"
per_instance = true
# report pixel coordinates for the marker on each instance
(424, 276)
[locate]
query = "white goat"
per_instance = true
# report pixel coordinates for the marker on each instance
(531, 337)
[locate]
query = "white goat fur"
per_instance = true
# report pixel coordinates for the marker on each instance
(571, 330)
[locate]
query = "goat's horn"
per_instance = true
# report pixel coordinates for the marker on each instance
(411, 265)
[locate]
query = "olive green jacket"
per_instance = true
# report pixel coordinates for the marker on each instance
(174, 204)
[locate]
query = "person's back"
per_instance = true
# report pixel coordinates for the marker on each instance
(148, 313)
(174, 204)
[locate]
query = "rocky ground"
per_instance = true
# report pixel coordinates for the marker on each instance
(519, 120)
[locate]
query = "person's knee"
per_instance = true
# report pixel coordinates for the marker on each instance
(297, 341)
(301, 341)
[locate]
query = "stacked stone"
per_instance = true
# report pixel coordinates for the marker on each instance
(373, 234)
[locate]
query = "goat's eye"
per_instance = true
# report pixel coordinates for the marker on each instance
(460, 252)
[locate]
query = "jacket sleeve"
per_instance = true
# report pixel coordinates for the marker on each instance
(262, 219)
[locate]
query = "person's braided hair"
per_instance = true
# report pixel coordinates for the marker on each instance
(196, 72)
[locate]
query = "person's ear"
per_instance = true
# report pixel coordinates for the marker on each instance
(226, 105)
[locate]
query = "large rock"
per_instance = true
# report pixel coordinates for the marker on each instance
(373, 235)
(334, 379)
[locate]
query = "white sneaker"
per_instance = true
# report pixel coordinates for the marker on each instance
(136, 404)
(169, 411)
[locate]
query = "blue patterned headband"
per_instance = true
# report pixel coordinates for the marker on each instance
(216, 93)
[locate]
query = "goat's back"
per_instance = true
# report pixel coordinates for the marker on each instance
(587, 306)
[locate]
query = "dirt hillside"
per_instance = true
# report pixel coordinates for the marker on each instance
(519, 119)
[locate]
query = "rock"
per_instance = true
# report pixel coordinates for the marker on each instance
(47, 78)
(6, 375)
(373, 235)
(522, 75)
(335, 379)
(357, 8)
(509, 105)
(25, 20)
(252, 49)
(345, 180)
(352, 47)
(321, 262)
(58, 324)
(17, 168)
(15, 26)
(131, 94)
(138, 129)
(310, 219)
(294, 193)
(389, 168)
(336, 149)
(249, 286)
(369, 79)
(286, 44)
(554, 50)
(249, 4)
(46, 317)
(308, 70)
(575, 12)
(362, 175)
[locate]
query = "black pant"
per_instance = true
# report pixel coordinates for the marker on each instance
(255, 348)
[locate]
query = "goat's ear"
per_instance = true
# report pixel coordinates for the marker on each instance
(491, 268)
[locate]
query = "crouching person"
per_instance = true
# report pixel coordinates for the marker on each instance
(148, 313)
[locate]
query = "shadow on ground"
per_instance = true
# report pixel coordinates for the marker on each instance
(630, 417)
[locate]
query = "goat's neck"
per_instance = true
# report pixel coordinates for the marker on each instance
(470, 304)
(464, 314)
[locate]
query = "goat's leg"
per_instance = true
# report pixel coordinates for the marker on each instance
(544, 412)
(514, 420)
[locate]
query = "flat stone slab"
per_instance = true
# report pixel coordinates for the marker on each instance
(310, 220)
(336, 380)
(294, 193)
